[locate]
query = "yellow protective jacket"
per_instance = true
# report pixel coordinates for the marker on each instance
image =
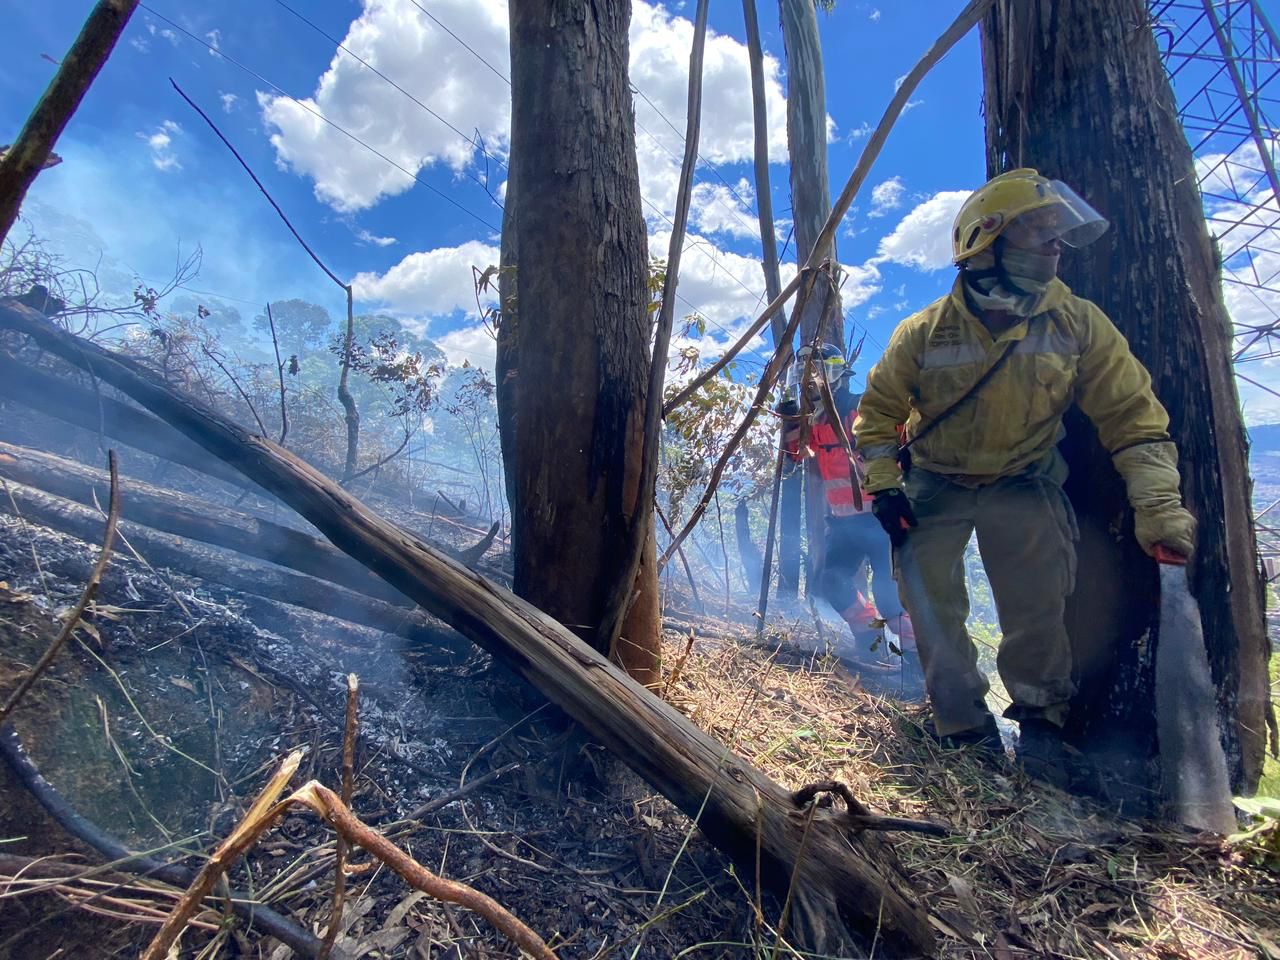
(1068, 352)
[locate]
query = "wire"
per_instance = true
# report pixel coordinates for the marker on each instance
(261, 79)
(370, 66)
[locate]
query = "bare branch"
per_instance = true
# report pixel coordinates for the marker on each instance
(73, 618)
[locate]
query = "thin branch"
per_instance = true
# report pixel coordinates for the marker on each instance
(348, 775)
(90, 588)
(330, 807)
(683, 559)
(408, 435)
(284, 410)
(33, 149)
(696, 383)
(235, 383)
(767, 379)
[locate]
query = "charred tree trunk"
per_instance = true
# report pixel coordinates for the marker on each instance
(574, 364)
(1076, 89)
(58, 397)
(810, 206)
(842, 883)
(184, 516)
(231, 570)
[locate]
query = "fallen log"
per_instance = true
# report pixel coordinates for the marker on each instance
(59, 398)
(161, 549)
(843, 887)
(194, 519)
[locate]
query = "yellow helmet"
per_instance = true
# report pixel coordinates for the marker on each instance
(992, 209)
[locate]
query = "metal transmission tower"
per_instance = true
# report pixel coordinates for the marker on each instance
(1223, 58)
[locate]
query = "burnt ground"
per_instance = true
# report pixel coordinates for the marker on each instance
(172, 705)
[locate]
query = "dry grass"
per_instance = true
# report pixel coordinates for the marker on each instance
(1029, 871)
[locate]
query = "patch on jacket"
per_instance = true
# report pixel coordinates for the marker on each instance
(947, 335)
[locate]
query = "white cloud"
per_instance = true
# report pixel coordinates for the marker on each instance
(428, 283)
(400, 41)
(395, 37)
(474, 344)
(886, 196)
(861, 130)
(215, 41)
(922, 239)
(367, 237)
(228, 101)
(160, 142)
(874, 16)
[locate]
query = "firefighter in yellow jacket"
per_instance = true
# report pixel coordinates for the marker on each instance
(980, 380)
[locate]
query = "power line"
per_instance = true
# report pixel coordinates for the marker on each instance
(441, 25)
(338, 43)
(261, 79)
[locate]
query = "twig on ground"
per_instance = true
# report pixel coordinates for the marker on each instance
(348, 775)
(73, 618)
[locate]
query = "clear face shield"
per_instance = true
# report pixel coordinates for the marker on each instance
(1070, 219)
(831, 368)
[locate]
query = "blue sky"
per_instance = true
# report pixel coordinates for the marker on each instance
(144, 177)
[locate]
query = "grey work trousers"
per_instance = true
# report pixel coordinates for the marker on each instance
(1026, 535)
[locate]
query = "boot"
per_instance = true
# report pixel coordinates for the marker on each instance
(984, 738)
(1042, 754)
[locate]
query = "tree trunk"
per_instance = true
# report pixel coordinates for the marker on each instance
(842, 883)
(792, 482)
(193, 519)
(573, 367)
(58, 397)
(350, 413)
(234, 571)
(810, 207)
(1076, 89)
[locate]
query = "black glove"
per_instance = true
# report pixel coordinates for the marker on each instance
(789, 408)
(893, 510)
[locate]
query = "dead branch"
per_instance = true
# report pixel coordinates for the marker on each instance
(859, 816)
(244, 905)
(329, 807)
(348, 775)
(90, 588)
(452, 796)
(774, 307)
(264, 812)
(776, 364)
(235, 383)
(275, 345)
(471, 555)
(846, 884)
(30, 152)
(684, 561)
(257, 579)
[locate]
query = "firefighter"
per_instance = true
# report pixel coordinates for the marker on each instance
(852, 533)
(981, 379)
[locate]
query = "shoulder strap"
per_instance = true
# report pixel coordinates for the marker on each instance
(977, 385)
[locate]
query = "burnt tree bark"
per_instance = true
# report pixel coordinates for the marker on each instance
(574, 354)
(810, 207)
(843, 885)
(58, 397)
(232, 570)
(1076, 89)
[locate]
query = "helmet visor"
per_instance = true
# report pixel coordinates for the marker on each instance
(1066, 216)
(828, 363)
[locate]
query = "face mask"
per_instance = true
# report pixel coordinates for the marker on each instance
(1031, 271)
